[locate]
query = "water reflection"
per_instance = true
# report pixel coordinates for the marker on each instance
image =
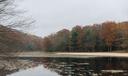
(66, 66)
(88, 67)
(36, 71)
(11, 65)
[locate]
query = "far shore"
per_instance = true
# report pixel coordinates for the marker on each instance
(67, 54)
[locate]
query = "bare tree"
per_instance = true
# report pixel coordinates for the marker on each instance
(6, 9)
(11, 17)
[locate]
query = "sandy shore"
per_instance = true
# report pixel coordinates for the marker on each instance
(70, 54)
(96, 54)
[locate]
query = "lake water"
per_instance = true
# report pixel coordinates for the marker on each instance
(64, 67)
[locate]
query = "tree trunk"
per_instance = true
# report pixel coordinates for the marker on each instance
(109, 48)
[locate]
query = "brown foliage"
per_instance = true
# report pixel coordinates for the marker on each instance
(108, 33)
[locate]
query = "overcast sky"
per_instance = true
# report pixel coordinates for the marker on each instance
(54, 15)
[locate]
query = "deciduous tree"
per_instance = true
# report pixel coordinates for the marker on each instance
(108, 33)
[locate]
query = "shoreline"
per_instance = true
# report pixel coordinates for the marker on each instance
(67, 54)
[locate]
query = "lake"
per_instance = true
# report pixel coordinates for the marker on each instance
(97, 66)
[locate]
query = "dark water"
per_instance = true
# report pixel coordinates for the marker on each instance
(65, 67)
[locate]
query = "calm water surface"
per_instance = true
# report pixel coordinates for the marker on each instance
(64, 67)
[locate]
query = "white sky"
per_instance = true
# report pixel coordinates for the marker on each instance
(54, 15)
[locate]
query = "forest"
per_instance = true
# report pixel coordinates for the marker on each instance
(105, 37)
(12, 40)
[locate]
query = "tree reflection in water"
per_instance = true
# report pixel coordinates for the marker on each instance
(87, 67)
(12, 65)
(70, 66)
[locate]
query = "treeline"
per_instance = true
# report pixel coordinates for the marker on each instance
(107, 36)
(14, 40)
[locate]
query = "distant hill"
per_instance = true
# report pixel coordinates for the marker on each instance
(14, 40)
